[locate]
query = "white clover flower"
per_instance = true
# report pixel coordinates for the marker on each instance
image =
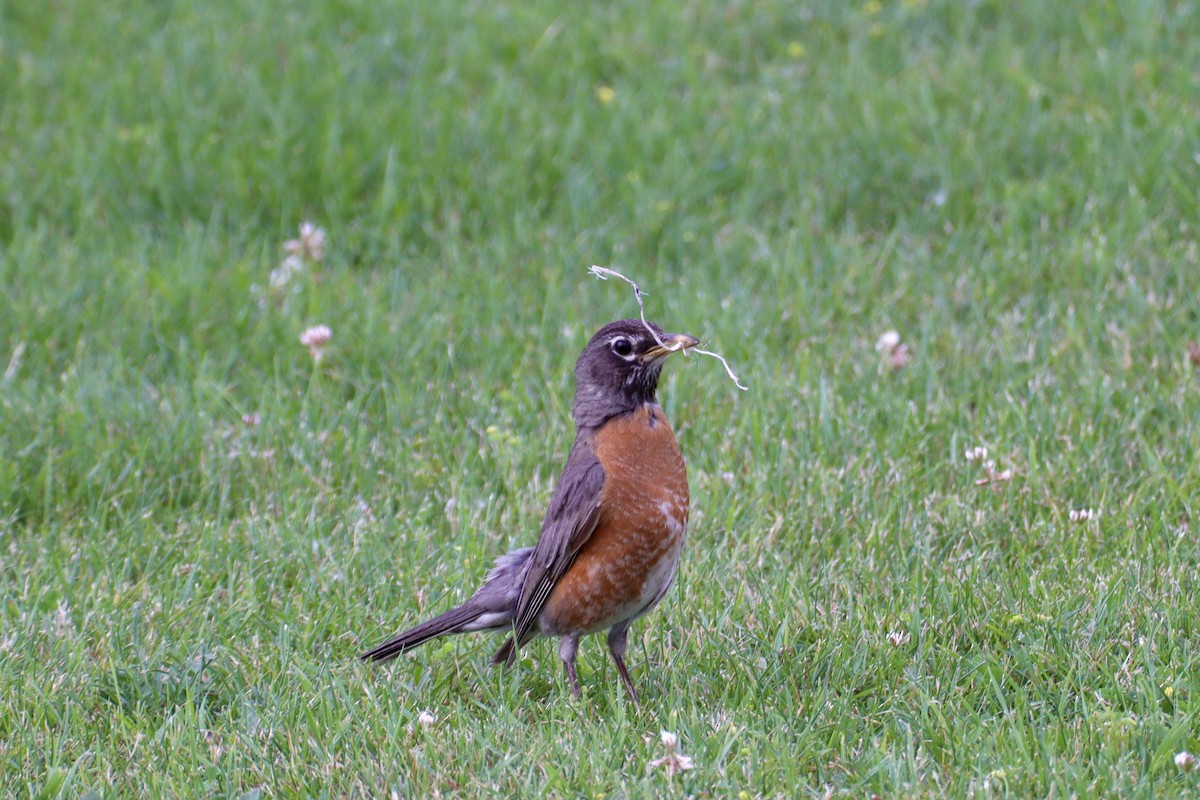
(1185, 761)
(315, 339)
(976, 454)
(311, 244)
(888, 342)
(991, 474)
(896, 355)
(998, 476)
(673, 762)
(283, 274)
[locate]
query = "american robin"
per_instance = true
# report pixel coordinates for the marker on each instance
(611, 538)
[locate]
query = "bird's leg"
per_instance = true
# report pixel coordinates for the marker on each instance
(567, 650)
(617, 639)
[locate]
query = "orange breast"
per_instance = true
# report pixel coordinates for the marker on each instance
(629, 561)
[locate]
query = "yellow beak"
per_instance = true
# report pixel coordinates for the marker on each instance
(671, 343)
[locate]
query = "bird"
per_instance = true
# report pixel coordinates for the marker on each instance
(613, 533)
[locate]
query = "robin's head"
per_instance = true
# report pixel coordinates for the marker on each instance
(618, 370)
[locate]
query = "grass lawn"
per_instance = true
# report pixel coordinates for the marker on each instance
(201, 526)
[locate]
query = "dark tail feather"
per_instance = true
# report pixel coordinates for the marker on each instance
(489, 609)
(506, 655)
(450, 622)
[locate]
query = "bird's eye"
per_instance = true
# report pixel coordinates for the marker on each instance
(622, 347)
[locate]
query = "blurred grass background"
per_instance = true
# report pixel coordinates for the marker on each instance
(1010, 186)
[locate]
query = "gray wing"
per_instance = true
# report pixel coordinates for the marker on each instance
(572, 516)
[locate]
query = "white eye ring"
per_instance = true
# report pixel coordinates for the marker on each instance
(622, 347)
